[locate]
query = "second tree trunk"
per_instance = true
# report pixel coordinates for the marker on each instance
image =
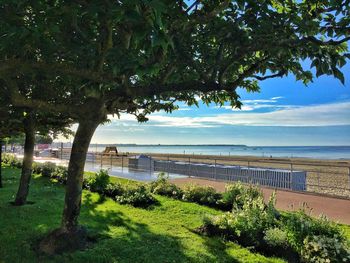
(23, 190)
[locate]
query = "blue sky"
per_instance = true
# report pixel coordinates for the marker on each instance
(285, 112)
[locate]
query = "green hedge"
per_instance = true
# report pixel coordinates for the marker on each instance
(235, 195)
(11, 160)
(296, 236)
(139, 196)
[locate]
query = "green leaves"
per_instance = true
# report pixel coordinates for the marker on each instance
(149, 53)
(339, 75)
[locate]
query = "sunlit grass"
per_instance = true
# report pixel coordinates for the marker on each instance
(163, 233)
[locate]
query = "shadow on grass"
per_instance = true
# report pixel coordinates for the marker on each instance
(118, 233)
(118, 238)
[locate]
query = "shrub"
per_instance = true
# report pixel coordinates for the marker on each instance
(11, 160)
(204, 195)
(4, 158)
(300, 225)
(324, 249)
(47, 169)
(237, 194)
(37, 168)
(138, 196)
(293, 236)
(97, 182)
(277, 244)
(60, 174)
(113, 189)
(163, 187)
(276, 238)
(8, 158)
(247, 224)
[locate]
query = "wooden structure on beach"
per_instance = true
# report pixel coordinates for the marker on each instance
(110, 150)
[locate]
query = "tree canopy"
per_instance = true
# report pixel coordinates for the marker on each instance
(139, 56)
(88, 59)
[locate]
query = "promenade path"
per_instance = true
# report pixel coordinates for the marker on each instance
(334, 208)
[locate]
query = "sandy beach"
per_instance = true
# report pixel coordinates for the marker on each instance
(331, 177)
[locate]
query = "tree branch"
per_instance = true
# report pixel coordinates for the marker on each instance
(18, 100)
(279, 74)
(326, 43)
(50, 68)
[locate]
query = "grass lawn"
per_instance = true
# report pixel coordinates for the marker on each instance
(124, 233)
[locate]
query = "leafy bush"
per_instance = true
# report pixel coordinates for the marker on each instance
(324, 249)
(47, 169)
(113, 189)
(277, 244)
(7, 158)
(295, 236)
(37, 168)
(163, 187)
(3, 158)
(237, 194)
(249, 223)
(60, 174)
(276, 238)
(138, 196)
(300, 225)
(97, 182)
(11, 160)
(204, 195)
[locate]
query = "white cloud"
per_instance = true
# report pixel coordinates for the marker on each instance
(259, 101)
(277, 98)
(184, 109)
(330, 114)
(251, 105)
(315, 115)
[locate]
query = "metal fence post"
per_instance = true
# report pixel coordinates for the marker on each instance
(248, 172)
(291, 177)
(111, 161)
(61, 150)
(215, 173)
(150, 165)
(122, 163)
(168, 165)
(101, 161)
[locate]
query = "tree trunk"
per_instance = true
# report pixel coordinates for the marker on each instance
(75, 174)
(71, 236)
(1, 162)
(29, 143)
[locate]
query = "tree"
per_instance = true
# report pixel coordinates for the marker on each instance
(34, 122)
(17, 121)
(142, 56)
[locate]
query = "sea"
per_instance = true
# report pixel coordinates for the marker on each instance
(315, 152)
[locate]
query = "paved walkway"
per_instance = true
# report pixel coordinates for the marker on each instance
(334, 208)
